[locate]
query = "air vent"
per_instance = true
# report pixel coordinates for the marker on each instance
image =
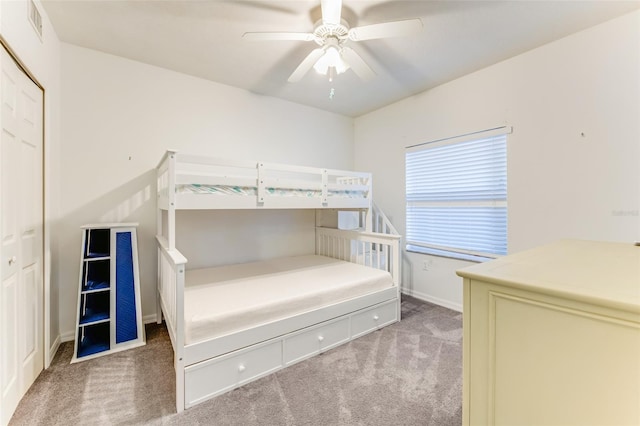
(35, 18)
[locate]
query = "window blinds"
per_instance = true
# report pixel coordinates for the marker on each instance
(456, 194)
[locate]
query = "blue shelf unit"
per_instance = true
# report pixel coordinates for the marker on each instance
(109, 307)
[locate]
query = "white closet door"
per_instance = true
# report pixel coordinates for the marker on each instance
(21, 219)
(30, 99)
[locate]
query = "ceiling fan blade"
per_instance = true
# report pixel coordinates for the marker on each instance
(278, 36)
(386, 29)
(331, 10)
(357, 64)
(306, 65)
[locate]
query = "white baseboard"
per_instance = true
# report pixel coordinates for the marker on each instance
(148, 319)
(67, 336)
(431, 299)
(54, 349)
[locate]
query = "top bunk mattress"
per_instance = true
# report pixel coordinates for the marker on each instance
(226, 299)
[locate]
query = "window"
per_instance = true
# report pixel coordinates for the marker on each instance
(456, 194)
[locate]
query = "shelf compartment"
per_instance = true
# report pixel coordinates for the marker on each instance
(94, 308)
(96, 275)
(98, 243)
(93, 339)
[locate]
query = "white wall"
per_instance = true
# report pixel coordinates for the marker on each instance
(119, 116)
(41, 57)
(232, 236)
(561, 184)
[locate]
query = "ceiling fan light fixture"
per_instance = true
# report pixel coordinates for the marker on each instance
(331, 59)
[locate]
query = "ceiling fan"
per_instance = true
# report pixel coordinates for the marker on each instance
(332, 33)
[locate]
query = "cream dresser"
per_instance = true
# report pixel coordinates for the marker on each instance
(552, 337)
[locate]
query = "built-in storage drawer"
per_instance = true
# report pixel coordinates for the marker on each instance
(209, 378)
(315, 340)
(373, 318)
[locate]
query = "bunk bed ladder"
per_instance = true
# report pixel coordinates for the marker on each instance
(381, 223)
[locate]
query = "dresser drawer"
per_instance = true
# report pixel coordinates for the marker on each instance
(315, 340)
(374, 318)
(210, 378)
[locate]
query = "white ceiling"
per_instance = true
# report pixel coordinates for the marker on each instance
(204, 39)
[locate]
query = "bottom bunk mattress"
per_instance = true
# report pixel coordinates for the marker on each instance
(226, 299)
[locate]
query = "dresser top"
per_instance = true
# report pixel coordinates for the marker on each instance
(597, 272)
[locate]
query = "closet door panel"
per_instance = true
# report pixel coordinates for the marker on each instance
(31, 229)
(9, 373)
(9, 238)
(30, 318)
(9, 171)
(9, 151)
(21, 230)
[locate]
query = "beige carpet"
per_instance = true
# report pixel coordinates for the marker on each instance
(409, 373)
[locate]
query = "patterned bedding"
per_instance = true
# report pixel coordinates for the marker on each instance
(253, 191)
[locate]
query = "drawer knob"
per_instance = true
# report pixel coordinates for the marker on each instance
(376, 317)
(241, 368)
(320, 338)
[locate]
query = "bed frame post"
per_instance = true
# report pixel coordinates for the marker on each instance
(396, 273)
(171, 212)
(369, 212)
(159, 271)
(260, 183)
(179, 348)
(325, 181)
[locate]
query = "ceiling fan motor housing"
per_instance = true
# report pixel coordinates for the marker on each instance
(324, 31)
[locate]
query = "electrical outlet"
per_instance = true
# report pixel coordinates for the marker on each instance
(427, 265)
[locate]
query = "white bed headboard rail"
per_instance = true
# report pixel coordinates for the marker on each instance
(380, 251)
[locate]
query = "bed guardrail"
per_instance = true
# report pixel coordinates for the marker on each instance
(380, 251)
(272, 185)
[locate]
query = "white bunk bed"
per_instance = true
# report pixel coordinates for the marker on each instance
(233, 324)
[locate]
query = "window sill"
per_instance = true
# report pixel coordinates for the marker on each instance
(450, 254)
